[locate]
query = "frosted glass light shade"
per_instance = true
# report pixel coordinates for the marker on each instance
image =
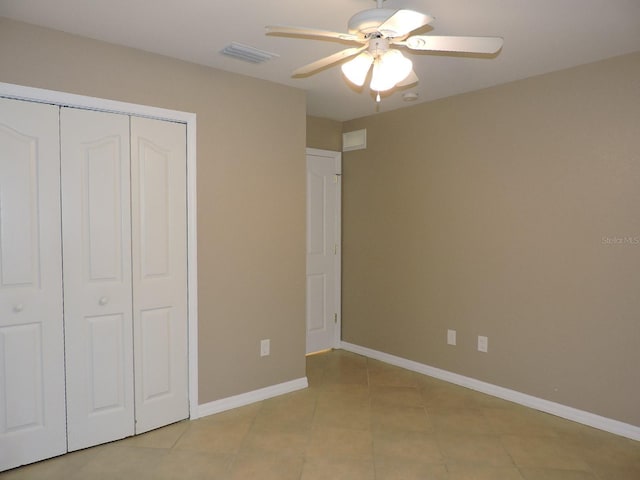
(381, 80)
(356, 70)
(389, 69)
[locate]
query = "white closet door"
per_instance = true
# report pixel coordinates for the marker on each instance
(323, 216)
(97, 276)
(159, 246)
(32, 403)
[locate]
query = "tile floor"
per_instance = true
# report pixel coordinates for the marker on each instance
(360, 419)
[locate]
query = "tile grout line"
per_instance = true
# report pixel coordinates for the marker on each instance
(373, 457)
(311, 428)
(233, 457)
(181, 435)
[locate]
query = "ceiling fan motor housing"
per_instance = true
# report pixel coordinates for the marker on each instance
(368, 21)
(378, 46)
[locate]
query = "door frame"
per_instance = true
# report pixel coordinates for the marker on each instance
(39, 95)
(337, 157)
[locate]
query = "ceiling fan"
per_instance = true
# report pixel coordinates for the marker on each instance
(378, 32)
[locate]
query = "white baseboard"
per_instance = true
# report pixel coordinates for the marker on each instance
(243, 399)
(570, 413)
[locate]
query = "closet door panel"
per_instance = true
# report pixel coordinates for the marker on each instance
(97, 276)
(159, 234)
(32, 396)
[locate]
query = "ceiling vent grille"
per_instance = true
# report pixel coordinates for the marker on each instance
(247, 53)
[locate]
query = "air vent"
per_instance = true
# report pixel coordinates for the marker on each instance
(356, 140)
(247, 53)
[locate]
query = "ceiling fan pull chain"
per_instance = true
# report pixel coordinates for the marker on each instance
(378, 98)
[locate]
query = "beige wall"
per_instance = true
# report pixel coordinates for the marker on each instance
(489, 213)
(324, 134)
(251, 192)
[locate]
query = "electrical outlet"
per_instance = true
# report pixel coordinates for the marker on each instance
(483, 344)
(451, 337)
(265, 347)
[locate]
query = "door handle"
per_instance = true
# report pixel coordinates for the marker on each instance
(103, 300)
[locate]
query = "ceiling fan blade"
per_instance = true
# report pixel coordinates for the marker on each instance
(311, 32)
(326, 61)
(454, 44)
(402, 22)
(409, 80)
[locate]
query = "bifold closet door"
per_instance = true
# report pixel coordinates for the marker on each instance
(32, 396)
(159, 247)
(96, 222)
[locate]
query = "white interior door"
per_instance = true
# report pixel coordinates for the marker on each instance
(159, 246)
(32, 396)
(323, 249)
(97, 276)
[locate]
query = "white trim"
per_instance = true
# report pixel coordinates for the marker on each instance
(337, 158)
(323, 153)
(254, 396)
(570, 413)
(92, 103)
(338, 258)
(192, 266)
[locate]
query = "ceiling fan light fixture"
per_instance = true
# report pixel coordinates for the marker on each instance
(380, 82)
(356, 69)
(389, 69)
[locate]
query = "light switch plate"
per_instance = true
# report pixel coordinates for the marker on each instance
(265, 347)
(483, 344)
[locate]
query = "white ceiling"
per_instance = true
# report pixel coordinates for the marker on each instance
(539, 36)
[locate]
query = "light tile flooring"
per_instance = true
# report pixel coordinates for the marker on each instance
(360, 419)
